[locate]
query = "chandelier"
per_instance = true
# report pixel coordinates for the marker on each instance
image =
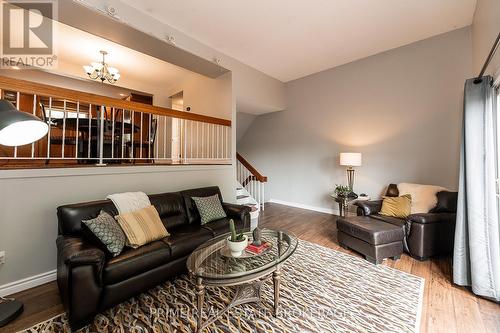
(101, 71)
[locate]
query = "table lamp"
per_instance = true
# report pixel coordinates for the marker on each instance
(350, 160)
(16, 129)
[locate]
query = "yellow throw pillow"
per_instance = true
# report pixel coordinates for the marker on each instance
(142, 226)
(396, 206)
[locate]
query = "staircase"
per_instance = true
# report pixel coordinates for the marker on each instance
(250, 189)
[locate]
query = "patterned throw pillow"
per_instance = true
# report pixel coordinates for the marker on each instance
(107, 232)
(210, 208)
(142, 226)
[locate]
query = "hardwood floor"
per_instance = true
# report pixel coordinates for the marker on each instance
(447, 308)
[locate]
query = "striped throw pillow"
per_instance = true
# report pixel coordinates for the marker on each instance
(142, 226)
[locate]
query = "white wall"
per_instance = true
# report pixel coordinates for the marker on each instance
(402, 109)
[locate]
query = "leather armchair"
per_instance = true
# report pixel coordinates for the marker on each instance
(426, 234)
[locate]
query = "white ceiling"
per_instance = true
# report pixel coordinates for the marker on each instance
(138, 71)
(289, 39)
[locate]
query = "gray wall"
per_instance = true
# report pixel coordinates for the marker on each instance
(485, 28)
(401, 108)
(243, 123)
(28, 202)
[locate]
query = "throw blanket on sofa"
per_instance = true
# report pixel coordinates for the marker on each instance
(129, 201)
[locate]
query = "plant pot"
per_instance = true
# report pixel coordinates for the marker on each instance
(237, 248)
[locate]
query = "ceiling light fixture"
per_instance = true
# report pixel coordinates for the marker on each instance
(101, 71)
(170, 39)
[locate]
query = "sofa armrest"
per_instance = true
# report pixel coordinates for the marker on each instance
(429, 218)
(370, 207)
(79, 278)
(74, 251)
(239, 212)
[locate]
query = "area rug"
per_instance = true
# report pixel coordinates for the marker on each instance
(322, 291)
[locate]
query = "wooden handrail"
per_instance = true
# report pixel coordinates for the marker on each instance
(28, 87)
(250, 168)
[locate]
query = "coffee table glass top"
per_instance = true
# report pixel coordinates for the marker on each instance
(209, 262)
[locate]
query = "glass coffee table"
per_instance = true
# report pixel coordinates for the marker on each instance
(211, 265)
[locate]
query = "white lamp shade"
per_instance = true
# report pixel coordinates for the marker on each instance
(19, 128)
(97, 65)
(350, 159)
(88, 69)
(112, 70)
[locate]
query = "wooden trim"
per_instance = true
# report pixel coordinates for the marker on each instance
(253, 171)
(40, 89)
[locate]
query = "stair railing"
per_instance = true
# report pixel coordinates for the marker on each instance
(251, 180)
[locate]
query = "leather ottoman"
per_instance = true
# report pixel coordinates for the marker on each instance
(373, 238)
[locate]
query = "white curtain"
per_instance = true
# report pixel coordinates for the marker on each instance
(476, 258)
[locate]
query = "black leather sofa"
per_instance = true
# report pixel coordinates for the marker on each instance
(426, 235)
(90, 282)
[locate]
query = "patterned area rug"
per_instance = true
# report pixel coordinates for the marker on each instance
(322, 291)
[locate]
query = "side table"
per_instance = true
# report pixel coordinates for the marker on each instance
(345, 201)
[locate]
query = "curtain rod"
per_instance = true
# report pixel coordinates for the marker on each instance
(479, 78)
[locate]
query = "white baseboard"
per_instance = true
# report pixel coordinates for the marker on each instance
(308, 207)
(27, 283)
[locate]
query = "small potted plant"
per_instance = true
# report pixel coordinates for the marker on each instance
(236, 242)
(342, 191)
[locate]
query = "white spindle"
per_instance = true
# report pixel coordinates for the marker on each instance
(101, 136)
(112, 132)
(123, 134)
(64, 129)
(132, 153)
(164, 137)
(50, 127)
(140, 136)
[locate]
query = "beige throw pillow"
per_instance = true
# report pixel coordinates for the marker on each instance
(142, 226)
(423, 197)
(396, 206)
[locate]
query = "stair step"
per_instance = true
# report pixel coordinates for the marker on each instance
(250, 204)
(239, 188)
(242, 197)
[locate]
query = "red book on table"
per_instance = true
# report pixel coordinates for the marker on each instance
(257, 249)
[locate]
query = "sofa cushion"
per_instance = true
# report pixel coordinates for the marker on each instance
(446, 202)
(192, 211)
(220, 227)
(184, 239)
(370, 230)
(389, 219)
(432, 218)
(70, 216)
(170, 207)
(132, 262)
(423, 197)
